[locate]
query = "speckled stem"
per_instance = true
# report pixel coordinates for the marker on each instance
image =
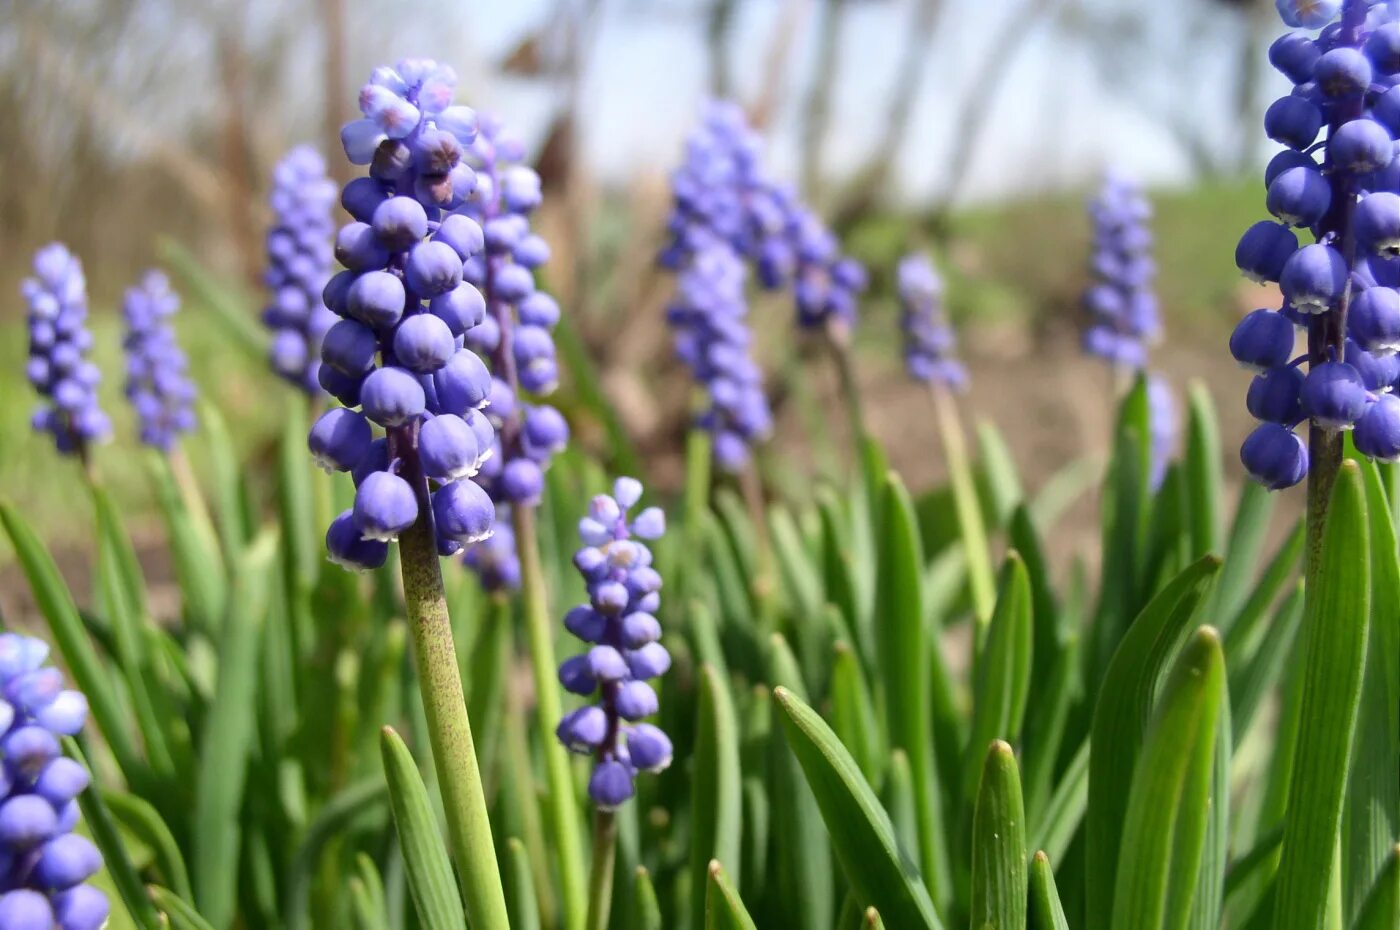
(600, 887)
(440, 682)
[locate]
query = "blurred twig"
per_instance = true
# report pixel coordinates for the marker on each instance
(334, 38)
(717, 25)
(870, 180)
(184, 165)
(775, 63)
(816, 116)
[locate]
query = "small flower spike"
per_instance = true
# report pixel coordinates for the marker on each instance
(157, 374)
(619, 622)
(929, 340)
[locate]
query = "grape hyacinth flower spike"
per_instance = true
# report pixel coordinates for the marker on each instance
(1340, 289)
(45, 865)
(157, 379)
(619, 621)
(929, 341)
(298, 265)
(396, 359)
(59, 341)
(1121, 306)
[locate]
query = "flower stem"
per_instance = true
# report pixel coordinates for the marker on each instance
(838, 340)
(969, 510)
(563, 821)
(600, 890)
(449, 730)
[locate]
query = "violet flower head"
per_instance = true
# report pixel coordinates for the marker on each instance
(619, 621)
(298, 265)
(59, 341)
(1121, 305)
(157, 373)
(929, 340)
(397, 357)
(716, 214)
(44, 865)
(1345, 90)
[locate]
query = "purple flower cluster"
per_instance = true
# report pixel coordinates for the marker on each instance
(298, 265)
(516, 336)
(620, 621)
(59, 341)
(398, 351)
(724, 212)
(157, 378)
(1121, 305)
(43, 863)
(1346, 80)
(929, 341)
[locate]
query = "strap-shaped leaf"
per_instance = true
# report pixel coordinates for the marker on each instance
(861, 833)
(1120, 719)
(1169, 809)
(521, 903)
(1336, 623)
(56, 604)
(1002, 677)
(1045, 911)
(872, 920)
(646, 912)
(904, 669)
(1382, 908)
(1202, 472)
(853, 714)
(1248, 533)
(716, 800)
(723, 908)
(180, 914)
(228, 738)
(426, 863)
(141, 820)
(999, 844)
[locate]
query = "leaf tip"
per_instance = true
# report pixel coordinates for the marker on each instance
(872, 917)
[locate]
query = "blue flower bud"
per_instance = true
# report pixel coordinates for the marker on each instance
(546, 432)
(361, 197)
(649, 661)
(81, 907)
(1294, 54)
(461, 308)
(1314, 278)
(1377, 223)
(583, 730)
(1343, 72)
(1299, 196)
(344, 388)
(648, 747)
(1292, 121)
(1360, 146)
(1334, 395)
(24, 909)
(639, 628)
(385, 506)
(1386, 110)
(1377, 433)
(1263, 339)
(339, 439)
(423, 343)
(462, 385)
(611, 785)
(1373, 319)
(66, 861)
(433, 268)
(463, 512)
(447, 447)
(1264, 249)
(391, 396)
(576, 677)
(514, 283)
(539, 309)
(358, 248)
(26, 820)
(376, 299)
(351, 347)
(1274, 395)
(1378, 372)
(1309, 14)
(61, 781)
(399, 222)
(1275, 456)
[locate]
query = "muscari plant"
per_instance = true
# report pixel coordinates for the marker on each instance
(273, 753)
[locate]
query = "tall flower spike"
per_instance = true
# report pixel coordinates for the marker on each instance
(298, 265)
(929, 341)
(514, 332)
(1121, 306)
(1342, 288)
(157, 377)
(714, 220)
(397, 350)
(59, 342)
(619, 621)
(44, 865)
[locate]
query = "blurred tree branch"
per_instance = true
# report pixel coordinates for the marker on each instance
(816, 110)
